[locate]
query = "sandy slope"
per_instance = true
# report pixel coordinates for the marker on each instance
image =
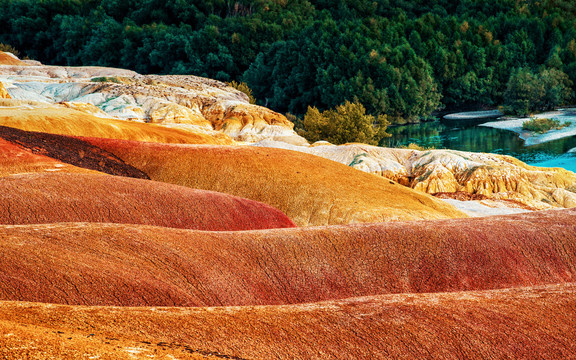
(112, 264)
(502, 179)
(9, 59)
(67, 121)
(517, 323)
(309, 189)
(60, 197)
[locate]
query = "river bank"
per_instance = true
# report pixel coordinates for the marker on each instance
(532, 138)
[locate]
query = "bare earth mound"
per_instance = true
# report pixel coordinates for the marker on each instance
(518, 324)
(15, 159)
(53, 198)
(309, 189)
(62, 149)
(108, 264)
(67, 121)
(8, 59)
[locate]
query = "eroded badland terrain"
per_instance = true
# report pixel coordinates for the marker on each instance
(147, 216)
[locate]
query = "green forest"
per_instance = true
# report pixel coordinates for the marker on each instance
(405, 59)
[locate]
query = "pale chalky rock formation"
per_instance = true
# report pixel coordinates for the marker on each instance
(251, 123)
(497, 177)
(186, 102)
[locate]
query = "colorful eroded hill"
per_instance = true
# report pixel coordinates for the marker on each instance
(516, 323)
(46, 198)
(132, 265)
(119, 190)
(309, 189)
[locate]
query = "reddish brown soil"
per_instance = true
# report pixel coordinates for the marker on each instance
(136, 265)
(522, 323)
(309, 189)
(60, 197)
(70, 150)
(14, 159)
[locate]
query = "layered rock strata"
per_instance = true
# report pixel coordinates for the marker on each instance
(190, 102)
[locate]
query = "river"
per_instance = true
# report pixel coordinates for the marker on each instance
(449, 135)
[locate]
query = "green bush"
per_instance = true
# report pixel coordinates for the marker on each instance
(541, 125)
(347, 123)
(110, 79)
(9, 48)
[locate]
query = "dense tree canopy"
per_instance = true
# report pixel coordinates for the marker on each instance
(403, 58)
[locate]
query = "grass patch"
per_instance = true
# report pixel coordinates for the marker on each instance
(542, 125)
(126, 80)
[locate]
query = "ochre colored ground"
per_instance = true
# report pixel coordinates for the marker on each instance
(66, 121)
(130, 265)
(487, 288)
(523, 323)
(98, 198)
(309, 189)
(6, 59)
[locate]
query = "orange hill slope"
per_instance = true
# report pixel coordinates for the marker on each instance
(309, 189)
(108, 264)
(56, 119)
(27, 151)
(53, 198)
(506, 324)
(15, 159)
(7, 59)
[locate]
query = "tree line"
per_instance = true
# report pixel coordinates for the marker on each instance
(405, 59)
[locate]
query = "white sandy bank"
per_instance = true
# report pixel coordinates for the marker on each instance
(532, 138)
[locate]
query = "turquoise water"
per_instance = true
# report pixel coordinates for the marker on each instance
(483, 139)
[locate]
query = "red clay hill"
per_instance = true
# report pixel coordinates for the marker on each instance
(523, 323)
(30, 151)
(114, 245)
(309, 189)
(301, 185)
(15, 159)
(131, 265)
(53, 197)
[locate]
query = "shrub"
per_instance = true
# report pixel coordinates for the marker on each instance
(243, 87)
(111, 79)
(347, 123)
(9, 48)
(414, 146)
(541, 125)
(127, 80)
